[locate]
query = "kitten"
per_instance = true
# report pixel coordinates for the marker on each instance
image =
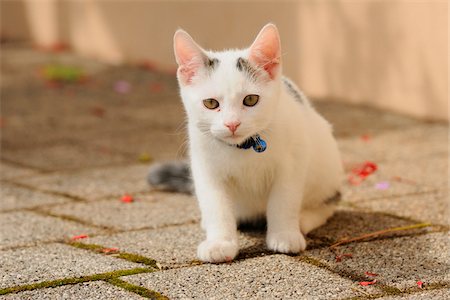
(257, 147)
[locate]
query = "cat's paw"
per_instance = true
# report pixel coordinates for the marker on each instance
(286, 242)
(217, 251)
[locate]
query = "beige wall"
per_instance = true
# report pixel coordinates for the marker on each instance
(390, 54)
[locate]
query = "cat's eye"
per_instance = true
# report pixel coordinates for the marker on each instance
(211, 103)
(251, 100)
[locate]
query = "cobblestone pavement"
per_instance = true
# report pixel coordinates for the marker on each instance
(70, 151)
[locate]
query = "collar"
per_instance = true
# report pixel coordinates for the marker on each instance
(256, 142)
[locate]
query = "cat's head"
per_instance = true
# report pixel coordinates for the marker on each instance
(230, 95)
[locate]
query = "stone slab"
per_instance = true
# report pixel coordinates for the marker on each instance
(175, 246)
(9, 171)
(428, 207)
(28, 228)
(146, 211)
(399, 262)
(94, 184)
(54, 261)
(403, 177)
(62, 156)
(14, 197)
(438, 294)
(409, 144)
(85, 291)
(348, 223)
(269, 277)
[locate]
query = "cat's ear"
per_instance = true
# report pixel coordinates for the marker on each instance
(265, 52)
(190, 57)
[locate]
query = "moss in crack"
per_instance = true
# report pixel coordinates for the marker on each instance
(136, 289)
(74, 280)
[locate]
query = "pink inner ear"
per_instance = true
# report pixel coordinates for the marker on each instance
(188, 54)
(265, 51)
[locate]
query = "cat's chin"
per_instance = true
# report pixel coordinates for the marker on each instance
(234, 139)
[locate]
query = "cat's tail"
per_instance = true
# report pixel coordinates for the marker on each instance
(172, 176)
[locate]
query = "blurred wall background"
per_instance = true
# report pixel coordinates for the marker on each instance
(391, 54)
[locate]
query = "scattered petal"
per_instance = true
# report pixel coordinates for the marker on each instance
(360, 173)
(127, 198)
(122, 87)
(366, 283)
(149, 65)
(79, 237)
(159, 265)
(365, 137)
(371, 274)
(384, 185)
(420, 284)
(156, 87)
(110, 250)
(340, 257)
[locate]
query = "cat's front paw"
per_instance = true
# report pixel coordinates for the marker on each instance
(286, 242)
(217, 251)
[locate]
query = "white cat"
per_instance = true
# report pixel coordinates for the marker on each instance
(257, 146)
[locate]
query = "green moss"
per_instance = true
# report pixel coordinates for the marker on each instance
(91, 247)
(74, 280)
(136, 289)
(138, 259)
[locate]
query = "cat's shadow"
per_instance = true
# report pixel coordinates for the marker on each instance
(344, 224)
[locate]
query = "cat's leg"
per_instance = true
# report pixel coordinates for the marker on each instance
(311, 218)
(283, 216)
(221, 242)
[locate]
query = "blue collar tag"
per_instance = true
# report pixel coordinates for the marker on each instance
(256, 142)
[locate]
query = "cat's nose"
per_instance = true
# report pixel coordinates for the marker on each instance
(232, 125)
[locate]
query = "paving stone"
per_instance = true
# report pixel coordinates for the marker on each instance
(28, 228)
(146, 211)
(54, 261)
(354, 120)
(85, 291)
(64, 156)
(14, 197)
(400, 262)
(9, 171)
(352, 223)
(403, 178)
(410, 144)
(270, 277)
(94, 184)
(159, 144)
(429, 207)
(438, 294)
(175, 246)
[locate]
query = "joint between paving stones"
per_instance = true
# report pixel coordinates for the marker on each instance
(141, 291)
(74, 280)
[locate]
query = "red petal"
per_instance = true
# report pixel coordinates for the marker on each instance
(78, 237)
(371, 274)
(127, 198)
(109, 250)
(420, 284)
(366, 283)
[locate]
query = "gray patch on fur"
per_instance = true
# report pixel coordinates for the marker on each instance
(174, 176)
(244, 65)
(293, 90)
(335, 199)
(211, 63)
